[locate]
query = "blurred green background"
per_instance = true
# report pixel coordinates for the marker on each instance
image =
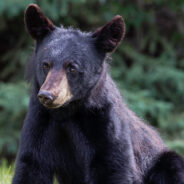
(148, 66)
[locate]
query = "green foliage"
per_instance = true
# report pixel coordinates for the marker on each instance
(148, 66)
(13, 102)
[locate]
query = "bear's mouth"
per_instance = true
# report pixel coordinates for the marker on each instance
(52, 106)
(55, 106)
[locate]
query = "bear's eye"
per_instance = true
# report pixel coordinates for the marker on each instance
(71, 69)
(46, 65)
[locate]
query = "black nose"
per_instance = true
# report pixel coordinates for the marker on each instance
(46, 97)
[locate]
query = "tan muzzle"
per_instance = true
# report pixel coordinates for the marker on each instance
(55, 91)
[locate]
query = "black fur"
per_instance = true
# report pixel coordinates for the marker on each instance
(168, 168)
(110, 35)
(94, 138)
(38, 25)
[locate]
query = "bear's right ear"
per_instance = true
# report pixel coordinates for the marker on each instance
(37, 23)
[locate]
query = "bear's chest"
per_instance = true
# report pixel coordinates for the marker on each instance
(74, 152)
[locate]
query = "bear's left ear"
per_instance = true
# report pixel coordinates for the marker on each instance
(110, 35)
(37, 23)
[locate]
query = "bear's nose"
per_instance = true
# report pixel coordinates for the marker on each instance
(46, 97)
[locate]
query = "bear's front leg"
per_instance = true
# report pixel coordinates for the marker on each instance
(33, 161)
(115, 167)
(30, 171)
(114, 162)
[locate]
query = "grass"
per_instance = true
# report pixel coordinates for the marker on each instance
(6, 173)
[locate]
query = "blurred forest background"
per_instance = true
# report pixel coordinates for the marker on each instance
(148, 66)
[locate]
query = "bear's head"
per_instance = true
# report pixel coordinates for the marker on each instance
(67, 62)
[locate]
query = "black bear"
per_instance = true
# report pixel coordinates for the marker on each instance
(78, 128)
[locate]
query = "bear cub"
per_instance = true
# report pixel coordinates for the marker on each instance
(78, 128)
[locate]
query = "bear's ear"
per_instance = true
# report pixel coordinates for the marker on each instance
(109, 36)
(37, 23)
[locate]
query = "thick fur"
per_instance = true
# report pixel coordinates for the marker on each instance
(94, 138)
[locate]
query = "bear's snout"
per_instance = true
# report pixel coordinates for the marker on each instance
(45, 97)
(55, 90)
